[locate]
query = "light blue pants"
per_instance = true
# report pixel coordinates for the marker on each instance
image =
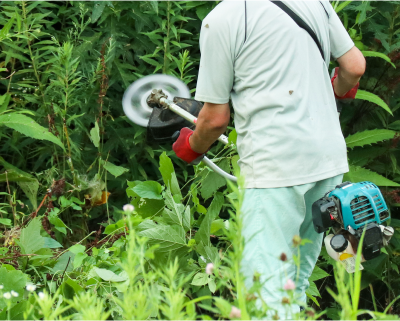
(271, 218)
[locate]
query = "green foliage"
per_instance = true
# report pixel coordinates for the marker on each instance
(27, 126)
(63, 68)
(369, 137)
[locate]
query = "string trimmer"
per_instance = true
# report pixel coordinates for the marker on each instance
(146, 103)
(348, 210)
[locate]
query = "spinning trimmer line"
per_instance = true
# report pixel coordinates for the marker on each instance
(146, 104)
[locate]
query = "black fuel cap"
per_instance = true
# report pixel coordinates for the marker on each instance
(339, 243)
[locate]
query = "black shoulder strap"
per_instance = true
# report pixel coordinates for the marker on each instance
(300, 23)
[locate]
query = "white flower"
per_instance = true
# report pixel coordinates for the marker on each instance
(289, 285)
(41, 295)
(14, 294)
(1, 286)
(128, 208)
(7, 295)
(209, 268)
(31, 287)
(235, 313)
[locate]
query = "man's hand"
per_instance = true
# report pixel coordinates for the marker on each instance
(183, 149)
(351, 68)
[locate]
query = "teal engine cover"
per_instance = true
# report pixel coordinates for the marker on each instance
(361, 203)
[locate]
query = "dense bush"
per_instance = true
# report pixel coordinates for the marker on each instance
(70, 160)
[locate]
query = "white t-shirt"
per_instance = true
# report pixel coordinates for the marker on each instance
(285, 112)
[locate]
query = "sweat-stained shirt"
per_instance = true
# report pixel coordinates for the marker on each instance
(288, 131)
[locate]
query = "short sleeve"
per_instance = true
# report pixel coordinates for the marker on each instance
(215, 79)
(340, 40)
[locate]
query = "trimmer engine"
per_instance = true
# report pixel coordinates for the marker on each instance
(349, 209)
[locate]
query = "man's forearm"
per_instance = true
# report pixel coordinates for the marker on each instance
(344, 82)
(351, 68)
(211, 123)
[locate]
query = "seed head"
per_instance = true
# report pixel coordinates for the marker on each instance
(283, 257)
(296, 240)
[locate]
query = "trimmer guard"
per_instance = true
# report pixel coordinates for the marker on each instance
(164, 123)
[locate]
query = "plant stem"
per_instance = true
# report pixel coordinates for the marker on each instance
(373, 297)
(166, 41)
(11, 201)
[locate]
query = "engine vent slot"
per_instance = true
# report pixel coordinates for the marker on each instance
(361, 209)
(383, 215)
(378, 203)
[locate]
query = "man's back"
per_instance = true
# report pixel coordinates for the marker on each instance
(285, 113)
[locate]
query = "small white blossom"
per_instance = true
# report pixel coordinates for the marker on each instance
(31, 287)
(209, 268)
(128, 208)
(41, 295)
(7, 295)
(14, 294)
(235, 313)
(1, 286)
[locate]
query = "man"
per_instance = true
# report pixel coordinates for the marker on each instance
(289, 140)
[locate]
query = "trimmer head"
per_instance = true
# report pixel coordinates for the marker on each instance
(134, 100)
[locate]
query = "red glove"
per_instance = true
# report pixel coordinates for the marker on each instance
(182, 147)
(351, 94)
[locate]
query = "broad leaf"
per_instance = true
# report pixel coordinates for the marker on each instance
(12, 280)
(114, 169)
(30, 189)
(317, 274)
(27, 126)
(214, 181)
(95, 135)
(5, 221)
(148, 189)
(51, 243)
(31, 240)
(168, 237)
(203, 234)
(200, 279)
(360, 174)
(108, 275)
(64, 263)
(365, 95)
(97, 11)
(369, 137)
(168, 175)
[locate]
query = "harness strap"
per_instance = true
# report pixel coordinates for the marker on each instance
(300, 23)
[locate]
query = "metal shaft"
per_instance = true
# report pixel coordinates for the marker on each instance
(186, 115)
